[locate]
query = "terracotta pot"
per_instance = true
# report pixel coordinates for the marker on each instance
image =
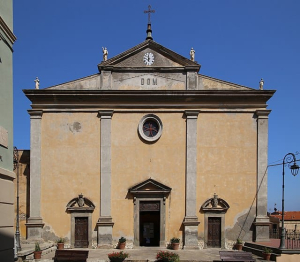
(60, 246)
(175, 246)
(122, 245)
(117, 259)
(37, 254)
(239, 247)
(266, 256)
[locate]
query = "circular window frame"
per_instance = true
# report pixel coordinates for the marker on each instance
(141, 124)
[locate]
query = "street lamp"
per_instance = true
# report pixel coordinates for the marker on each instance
(16, 166)
(289, 159)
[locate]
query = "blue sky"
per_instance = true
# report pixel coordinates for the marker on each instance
(237, 41)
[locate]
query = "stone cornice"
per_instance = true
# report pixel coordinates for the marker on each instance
(150, 69)
(8, 33)
(105, 114)
(262, 113)
(179, 99)
(192, 114)
(37, 114)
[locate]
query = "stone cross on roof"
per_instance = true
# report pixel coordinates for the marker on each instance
(149, 11)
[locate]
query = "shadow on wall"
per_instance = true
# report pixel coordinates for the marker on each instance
(7, 244)
(24, 190)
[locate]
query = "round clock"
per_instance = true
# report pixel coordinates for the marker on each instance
(148, 58)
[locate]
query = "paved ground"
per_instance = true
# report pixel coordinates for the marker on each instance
(148, 254)
(141, 254)
(272, 243)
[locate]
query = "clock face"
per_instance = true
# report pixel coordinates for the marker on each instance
(148, 58)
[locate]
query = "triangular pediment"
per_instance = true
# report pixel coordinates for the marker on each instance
(134, 58)
(150, 186)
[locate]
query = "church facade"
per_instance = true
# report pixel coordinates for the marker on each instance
(148, 149)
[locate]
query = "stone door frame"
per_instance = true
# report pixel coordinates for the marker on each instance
(80, 207)
(149, 190)
(161, 200)
(90, 230)
(222, 237)
(214, 207)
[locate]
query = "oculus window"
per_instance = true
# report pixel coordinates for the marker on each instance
(150, 128)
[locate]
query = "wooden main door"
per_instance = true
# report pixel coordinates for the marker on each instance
(81, 232)
(214, 232)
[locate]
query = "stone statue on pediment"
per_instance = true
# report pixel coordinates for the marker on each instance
(261, 84)
(37, 83)
(192, 54)
(105, 53)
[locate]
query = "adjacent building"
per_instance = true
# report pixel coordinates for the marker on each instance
(7, 39)
(148, 148)
(22, 172)
(291, 220)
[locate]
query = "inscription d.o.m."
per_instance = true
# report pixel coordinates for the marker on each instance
(149, 81)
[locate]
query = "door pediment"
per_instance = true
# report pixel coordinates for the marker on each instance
(215, 204)
(150, 186)
(80, 204)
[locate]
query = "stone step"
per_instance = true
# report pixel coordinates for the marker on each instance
(26, 254)
(257, 250)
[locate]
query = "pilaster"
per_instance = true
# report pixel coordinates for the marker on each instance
(191, 220)
(105, 223)
(192, 80)
(35, 223)
(262, 221)
(106, 80)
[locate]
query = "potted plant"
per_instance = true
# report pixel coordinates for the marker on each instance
(238, 244)
(122, 243)
(175, 243)
(37, 254)
(118, 256)
(267, 253)
(60, 243)
(167, 256)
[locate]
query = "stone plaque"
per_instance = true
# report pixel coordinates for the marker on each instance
(149, 206)
(3, 137)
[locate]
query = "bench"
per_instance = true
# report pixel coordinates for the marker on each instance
(236, 256)
(71, 255)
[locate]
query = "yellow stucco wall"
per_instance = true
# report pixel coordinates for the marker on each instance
(70, 166)
(226, 162)
(134, 161)
(290, 225)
